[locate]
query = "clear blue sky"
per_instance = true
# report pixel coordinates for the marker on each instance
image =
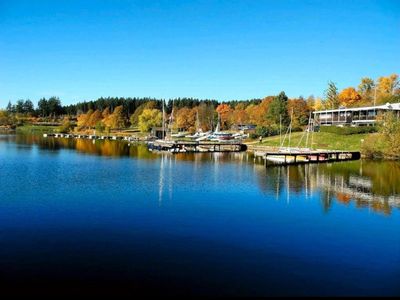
(81, 50)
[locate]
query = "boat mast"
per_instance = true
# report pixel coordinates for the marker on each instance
(171, 119)
(218, 123)
(163, 120)
(197, 121)
(290, 127)
(308, 129)
(280, 130)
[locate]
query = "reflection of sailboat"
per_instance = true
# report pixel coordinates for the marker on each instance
(161, 181)
(165, 163)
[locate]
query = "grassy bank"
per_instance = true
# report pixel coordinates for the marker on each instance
(321, 140)
(36, 129)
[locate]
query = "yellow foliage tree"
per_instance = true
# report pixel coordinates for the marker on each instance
(349, 97)
(149, 118)
(83, 119)
(94, 118)
(318, 104)
(186, 119)
(388, 84)
(105, 113)
(116, 119)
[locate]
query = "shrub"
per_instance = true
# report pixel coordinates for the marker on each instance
(348, 130)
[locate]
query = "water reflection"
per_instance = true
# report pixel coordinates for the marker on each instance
(374, 185)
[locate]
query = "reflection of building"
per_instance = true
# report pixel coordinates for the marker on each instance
(354, 182)
(356, 116)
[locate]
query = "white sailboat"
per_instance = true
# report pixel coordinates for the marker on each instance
(218, 135)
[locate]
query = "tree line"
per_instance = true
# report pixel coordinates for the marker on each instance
(368, 92)
(270, 114)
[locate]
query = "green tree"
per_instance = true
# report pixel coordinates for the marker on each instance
(10, 108)
(149, 118)
(331, 96)
(19, 107)
(277, 110)
(54, 106)
(43, 107)
(28, 107)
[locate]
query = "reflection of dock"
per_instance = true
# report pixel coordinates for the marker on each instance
(196, 146)
(301, 156)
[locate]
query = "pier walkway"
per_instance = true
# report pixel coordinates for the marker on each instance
(287, 156)
(196, 146)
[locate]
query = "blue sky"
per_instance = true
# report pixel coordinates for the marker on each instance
(81, 50)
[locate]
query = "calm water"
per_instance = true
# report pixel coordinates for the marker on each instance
(109, 217)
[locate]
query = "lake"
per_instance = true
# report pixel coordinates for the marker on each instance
(109, 217)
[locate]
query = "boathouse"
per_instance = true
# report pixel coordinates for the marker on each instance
(356, 116)
(158, 132)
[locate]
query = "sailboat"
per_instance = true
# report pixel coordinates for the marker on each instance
(199, 135)
(218, 135)
(283, 159)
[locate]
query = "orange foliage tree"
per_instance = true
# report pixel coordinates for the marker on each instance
(239, 115)
(225, 112)
(301, 111)
(185, 119)
(257, 114)
(349, 97)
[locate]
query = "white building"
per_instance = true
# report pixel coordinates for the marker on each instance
(357, 116)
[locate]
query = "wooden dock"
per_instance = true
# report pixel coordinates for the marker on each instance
(196, 146)
(303, 156)
(94, 137)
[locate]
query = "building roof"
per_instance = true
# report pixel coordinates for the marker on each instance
(387, 106)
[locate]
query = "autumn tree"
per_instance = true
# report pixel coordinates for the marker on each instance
(239, 115)
(225, 113)
(83, 119)
(349, 97)
(258, 114)
(105, 113)
(206, 114)
(116, 119)
(311, 102)
(366, 89)
(318, 104)
(186, 119)
(4, 118)
(331, 96)
(135, 116)
(301, 112)
(150, 117)
(66, 125)
(388, 84)
(94, 118)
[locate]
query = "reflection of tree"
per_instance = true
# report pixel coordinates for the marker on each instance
(365, 183)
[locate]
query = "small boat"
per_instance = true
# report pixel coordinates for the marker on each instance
(221, 136)
(178, 135)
